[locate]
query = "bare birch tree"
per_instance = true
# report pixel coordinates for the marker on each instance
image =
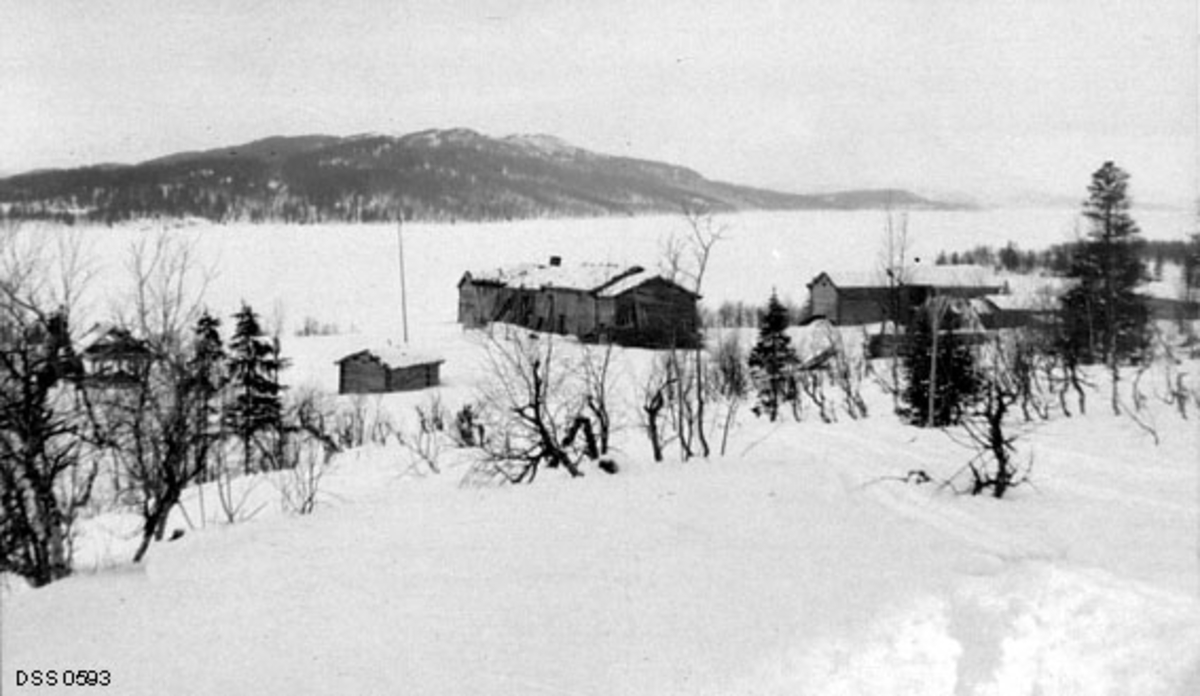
(46, 475)
(685, 261)
(531, 413)
(152, 426)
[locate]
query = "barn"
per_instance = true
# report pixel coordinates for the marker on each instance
(627, 305)
(850, 299)
(379, 370)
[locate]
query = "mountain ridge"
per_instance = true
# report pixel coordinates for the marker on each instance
(436, 174)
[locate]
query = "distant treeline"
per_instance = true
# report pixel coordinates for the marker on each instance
(1056, 259)
(732, 315)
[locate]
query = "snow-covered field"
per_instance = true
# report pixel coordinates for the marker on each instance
(348, 274)
(796, 564)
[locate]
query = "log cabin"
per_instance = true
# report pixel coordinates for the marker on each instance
(380, 370)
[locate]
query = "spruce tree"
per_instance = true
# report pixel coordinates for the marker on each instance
(773, 360)
(951, 376)
(254, 367)
(1104, 318)
(206, 371)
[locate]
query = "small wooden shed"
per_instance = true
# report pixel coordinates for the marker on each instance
(379, 370)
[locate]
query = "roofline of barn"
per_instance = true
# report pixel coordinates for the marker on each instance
(596, 291)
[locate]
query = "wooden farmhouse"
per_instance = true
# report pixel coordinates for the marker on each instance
(115, 359)
(627, 305)
(850, 299)
(379, 370)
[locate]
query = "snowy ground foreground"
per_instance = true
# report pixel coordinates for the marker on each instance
(791, 566)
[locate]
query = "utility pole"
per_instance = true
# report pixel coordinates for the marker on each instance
(403, 289)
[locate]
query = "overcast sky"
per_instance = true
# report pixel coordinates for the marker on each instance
(940, 94)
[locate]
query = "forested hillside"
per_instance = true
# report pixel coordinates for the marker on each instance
(440, 175)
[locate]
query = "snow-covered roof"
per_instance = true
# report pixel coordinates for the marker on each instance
(1044, 285)
(395, 357)
(107, 340)
(586, 277)
(1024, 302)
(629, 282)
(1163, 290)
(961, 276)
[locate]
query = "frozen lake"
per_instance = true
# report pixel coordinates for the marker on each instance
(348, 274)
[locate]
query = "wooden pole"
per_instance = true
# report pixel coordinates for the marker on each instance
(403, 289)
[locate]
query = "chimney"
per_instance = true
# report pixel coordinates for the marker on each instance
(555, 261)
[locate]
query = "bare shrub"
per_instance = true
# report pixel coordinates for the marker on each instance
(731, 380)
(234, 498)
(313, 415)
(530, 412)
(656, 391)
(595, 368)
(299, 482)
(685, 261)
(683, 402)
(302, 456)
(994, 467)
(1173, 389)
(350, 423)
(358, 423)
(432, 415)
(847, 370)
(426, 443)
(381, 428)
(426, 448)
(1067, 376)
(468, 431)
(1030, 376)
(812, 384)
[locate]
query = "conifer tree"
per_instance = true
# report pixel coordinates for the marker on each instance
(254, 367)
(1104, 317)
(773, 360)
(951, 376)
(206, 370)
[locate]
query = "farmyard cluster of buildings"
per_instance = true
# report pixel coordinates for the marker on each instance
(631, 306)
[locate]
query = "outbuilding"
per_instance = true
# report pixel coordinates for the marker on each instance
(381, 370)
(850, 299)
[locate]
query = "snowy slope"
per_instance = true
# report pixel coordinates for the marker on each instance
(799, 563)
(793, 565)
